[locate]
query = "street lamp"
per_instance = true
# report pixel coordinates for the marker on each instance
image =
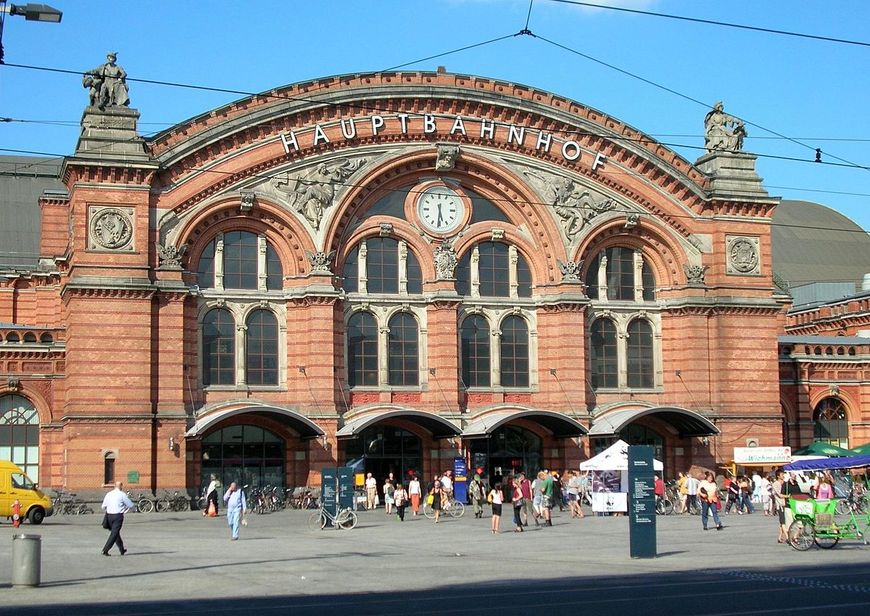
(30, 12)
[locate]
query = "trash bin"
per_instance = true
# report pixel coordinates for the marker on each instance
(26, 559)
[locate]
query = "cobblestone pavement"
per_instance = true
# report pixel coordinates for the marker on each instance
(182, 563)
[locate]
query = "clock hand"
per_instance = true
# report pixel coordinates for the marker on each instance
(440, 217)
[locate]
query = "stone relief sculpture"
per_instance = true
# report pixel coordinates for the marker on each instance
(445, 261)
(111, 228)
(107, 84)
(570, 270)
(694, 274)
(743, 255)
(573, 204)
(447, 155)
(312, 194)
(320, 261)
(723, 131)
(169, 257)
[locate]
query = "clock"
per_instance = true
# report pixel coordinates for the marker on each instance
(440, 209)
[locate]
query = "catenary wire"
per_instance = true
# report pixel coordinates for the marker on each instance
(712, 22)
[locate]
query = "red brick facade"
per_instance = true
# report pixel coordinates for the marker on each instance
(124, 372)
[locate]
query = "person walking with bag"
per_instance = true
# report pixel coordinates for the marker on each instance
(517, 499)
(477, 492)
(237, 506)
(436, 499)
(116, 504)
(401, 498)
(708, 491)
(495, 498)
(211, 497)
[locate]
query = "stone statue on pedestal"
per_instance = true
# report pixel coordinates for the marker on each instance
(107, 84)
(723, 131)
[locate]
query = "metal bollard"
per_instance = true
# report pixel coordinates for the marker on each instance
(26, 559)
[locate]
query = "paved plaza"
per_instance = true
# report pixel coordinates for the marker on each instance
(182, 563)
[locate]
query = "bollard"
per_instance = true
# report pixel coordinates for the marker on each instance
(26, 559)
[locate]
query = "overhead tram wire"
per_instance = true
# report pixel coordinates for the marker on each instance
(272, 176)
(694, 100)
(713, 22)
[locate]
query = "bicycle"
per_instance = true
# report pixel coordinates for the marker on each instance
(344, 519)
(144, 504)
(664, 506)
(452, 507)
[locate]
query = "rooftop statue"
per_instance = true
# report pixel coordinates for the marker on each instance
(107, 84)
(723, 131)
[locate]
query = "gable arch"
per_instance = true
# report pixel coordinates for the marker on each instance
(286, 234)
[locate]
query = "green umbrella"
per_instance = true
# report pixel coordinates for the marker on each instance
(861, 450)
(819, 448)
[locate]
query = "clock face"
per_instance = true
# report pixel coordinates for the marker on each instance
(440, 209)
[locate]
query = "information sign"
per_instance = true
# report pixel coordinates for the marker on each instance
(345, 487)
(460, 479)
(641, 502)
(328, 493)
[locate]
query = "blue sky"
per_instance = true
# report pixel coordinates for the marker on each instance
(813, 91)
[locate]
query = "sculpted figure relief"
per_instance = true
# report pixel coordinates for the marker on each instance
(320, 261)
(574, 205)
(723, 131)
(445, 261)
(446, 159)
(310, 196)
(170, 256)
(107, 84)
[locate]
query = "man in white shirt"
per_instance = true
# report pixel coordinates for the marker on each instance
(116, 504)
(692, 486)
(447, 482)
(371, 491)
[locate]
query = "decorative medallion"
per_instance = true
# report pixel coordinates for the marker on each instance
(743, 255)
(320, 261)
(169, 256)
(570, 270)
(694, 274)
(111, 228)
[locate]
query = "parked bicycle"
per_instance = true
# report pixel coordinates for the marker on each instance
(66, 503)
(452, 507)
(344, 519)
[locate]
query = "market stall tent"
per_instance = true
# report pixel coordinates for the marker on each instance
(614, 458)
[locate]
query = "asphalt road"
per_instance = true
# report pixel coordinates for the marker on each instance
(182, 563)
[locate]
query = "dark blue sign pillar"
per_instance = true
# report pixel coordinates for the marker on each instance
(328, 495)
(460, 480)
(345, 487)
(641, 501)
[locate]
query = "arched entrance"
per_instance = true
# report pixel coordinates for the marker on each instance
(19, 434)
(383, 449)
(509, 450)
(249, 455)
(830, 423)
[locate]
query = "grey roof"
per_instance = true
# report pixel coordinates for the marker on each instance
(813, 243)
(22, 180)
(824, 340)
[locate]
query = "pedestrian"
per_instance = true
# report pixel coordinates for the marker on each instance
(548, 496)
(447, 483)
(745, 495)
(437, 497)
(237, 507)
(682, 491)
(389, 490)
(401, 498)
(537, 496)
(825, 491)
(415, 491)
(658, 488)
(709, 493)
(495, 498)
(767, 495)
(574, 494)
(477, 493)
(517, 502)
(779, 506)
(732, 494)
(116, 503)
(528, 505)
(211, 496)
(371, 491)
(692, 485)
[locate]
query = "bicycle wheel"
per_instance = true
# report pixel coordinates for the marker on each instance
(457, 509)
(843, 506)
(162, 505)
(667, 507)
(801, 535)
(317, 521)
(346, 519)
(826, 542)
(145, 505)
(84, 510)
(428, 511)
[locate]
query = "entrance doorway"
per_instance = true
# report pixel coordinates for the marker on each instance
(507, 451)
(248, 455)
(381, 450)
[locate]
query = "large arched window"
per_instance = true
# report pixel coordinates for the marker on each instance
(603, 353)
(497, 267)
(830, 423)
(389, 267)
(19, 434)
(641, 367)
(261, 352)
(613, 275)
(232, 261)
(403, 350)
(514, 352)
(218, 348)
(474, 338)
(362, 350)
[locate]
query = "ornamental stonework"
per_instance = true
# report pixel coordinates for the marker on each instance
(110, 228)
(743, 255)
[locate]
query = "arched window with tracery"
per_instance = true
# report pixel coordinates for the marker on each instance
(382, 265)
(514, 352)
(362, 350)
(261, 348)
(622, 274)
(641, 365)
(218, 348)
(475, 349)
(831, 423)
(19, 434)
(493, 269)
(403, 350)
(604, 361)
(240, 260)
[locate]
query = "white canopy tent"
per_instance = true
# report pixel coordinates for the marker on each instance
(614, 458)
